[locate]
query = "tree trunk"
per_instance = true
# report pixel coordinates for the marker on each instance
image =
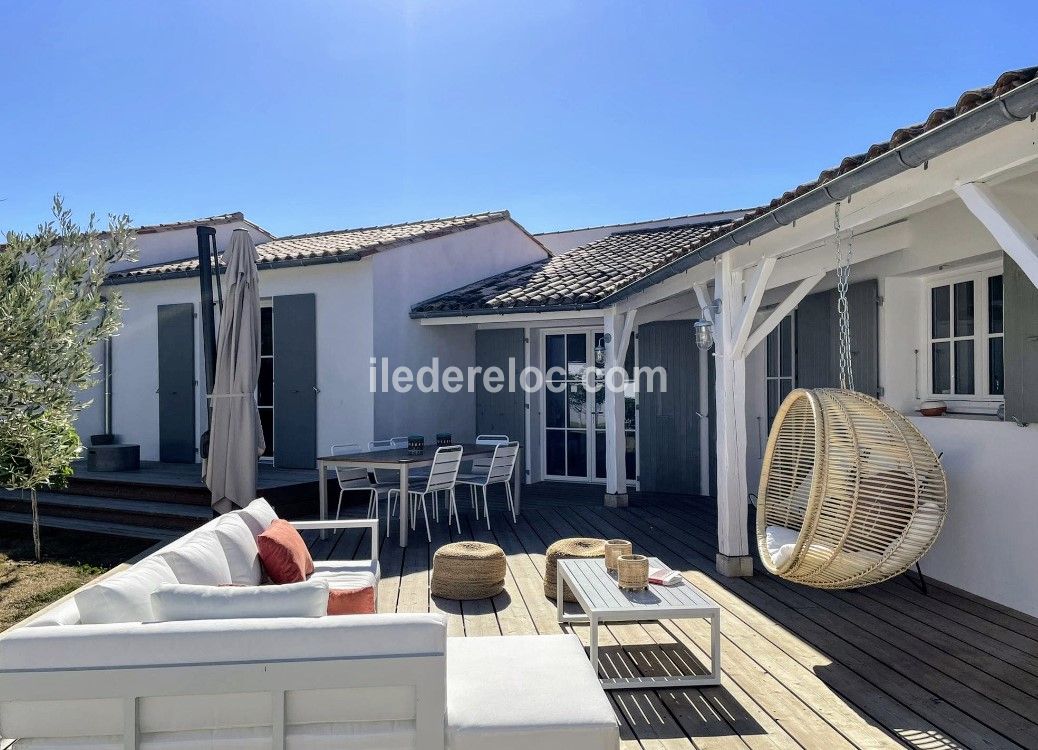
(35, 523)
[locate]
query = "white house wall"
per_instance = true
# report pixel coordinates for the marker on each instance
(411, 273)
(987, 545)
(344, 337)
(178, 244)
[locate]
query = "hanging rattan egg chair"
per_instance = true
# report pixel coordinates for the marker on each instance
(851, 493)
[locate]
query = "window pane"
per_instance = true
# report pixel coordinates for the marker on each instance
(266, 330)
(555, 356)
(632, 465)
(555, 452)
(996, 368)
(576, 413)
(555, 408)
(786, 347)
(267, 423)
(773, 400)
(576, 354)
(576, 453)
(629, 412)
(785, 388)
(964, 308)
(772, 356)
(629, 359)
(265, 385)
(600, 455)
(600, 409)
(941, 356)
(940, 327)
(995, 304)
(964, 366)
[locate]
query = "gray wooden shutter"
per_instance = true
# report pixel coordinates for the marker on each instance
(1020, 351)
(815, 337)
(294, 322)
(668, 427)
(176, 344)
(504, 412)
(818, 338)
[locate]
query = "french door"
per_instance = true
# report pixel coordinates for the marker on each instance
(574, 418)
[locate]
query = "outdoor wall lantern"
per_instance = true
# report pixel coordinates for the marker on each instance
(703, 329)
(704, 332)
(600, 350)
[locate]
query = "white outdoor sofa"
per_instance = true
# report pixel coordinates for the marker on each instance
(378, 681)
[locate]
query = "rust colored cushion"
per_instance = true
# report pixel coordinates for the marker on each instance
(351, 601)
(283, 553)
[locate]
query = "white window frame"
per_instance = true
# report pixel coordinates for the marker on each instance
(792, 377)
(591, 431)
(982, 401)
(268, 302)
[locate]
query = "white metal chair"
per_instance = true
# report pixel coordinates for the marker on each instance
(442, 475)
(353, 478)
(481, 464)
(502, 464)
(383, 480)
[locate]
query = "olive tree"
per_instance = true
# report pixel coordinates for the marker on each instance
(53, 313)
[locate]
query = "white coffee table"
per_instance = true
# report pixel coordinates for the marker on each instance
(603, 601)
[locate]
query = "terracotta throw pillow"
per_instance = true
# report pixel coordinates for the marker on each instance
(351, 601)
(283, 553)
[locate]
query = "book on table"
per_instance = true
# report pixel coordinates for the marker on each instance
(665, 576)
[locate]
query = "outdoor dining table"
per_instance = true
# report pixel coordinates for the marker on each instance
(401, 460)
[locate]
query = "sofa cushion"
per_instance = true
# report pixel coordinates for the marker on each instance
(330, 568)
(283, 553)
(205, 641)
(239, 547)
(258, 515)
(126, 596)
(351, 601)
(181, 601)
(200, 560)
(567, 709)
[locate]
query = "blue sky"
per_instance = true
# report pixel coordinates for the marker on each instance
(320, 115)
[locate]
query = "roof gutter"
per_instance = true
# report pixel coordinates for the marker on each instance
(1013, 106)
(502, 311)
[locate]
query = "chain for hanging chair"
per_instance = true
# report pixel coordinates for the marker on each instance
(843, 275)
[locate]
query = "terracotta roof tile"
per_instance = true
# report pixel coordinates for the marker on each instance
(581, 276)
(343, 244)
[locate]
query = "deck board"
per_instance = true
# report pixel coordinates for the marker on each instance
(802, 668)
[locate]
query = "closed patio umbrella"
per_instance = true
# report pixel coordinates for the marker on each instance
(235, 435)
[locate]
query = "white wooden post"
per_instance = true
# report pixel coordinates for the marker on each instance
(731, 331)
(617, 328)
(1009, 231)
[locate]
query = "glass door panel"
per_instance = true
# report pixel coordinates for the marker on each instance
(566, 408)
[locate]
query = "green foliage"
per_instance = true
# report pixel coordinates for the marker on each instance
(53, 312)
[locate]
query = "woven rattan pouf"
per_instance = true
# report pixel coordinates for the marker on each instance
(567, 549)
(468, 570)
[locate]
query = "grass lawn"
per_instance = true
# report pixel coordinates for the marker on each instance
(70, 559)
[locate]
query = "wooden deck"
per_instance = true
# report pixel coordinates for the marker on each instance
(881, 667)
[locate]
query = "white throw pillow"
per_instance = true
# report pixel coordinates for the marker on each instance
(174, 602)
(199, 560)
(258, 515)
(126, 596)
(239, 547)
(781, 542)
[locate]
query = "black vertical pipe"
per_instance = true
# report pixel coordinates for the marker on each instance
(206, 251)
